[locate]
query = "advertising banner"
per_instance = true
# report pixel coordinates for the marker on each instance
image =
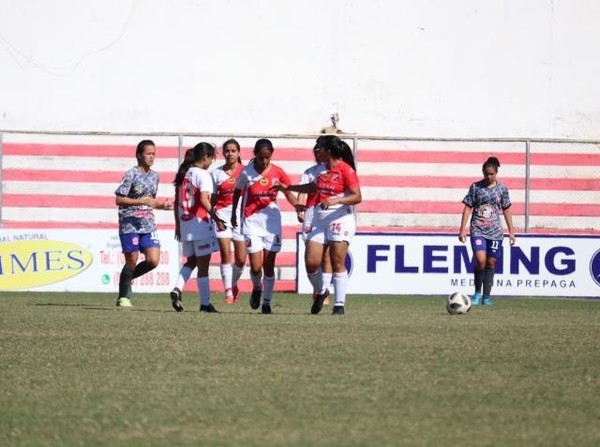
(438, 264)
(77, 261)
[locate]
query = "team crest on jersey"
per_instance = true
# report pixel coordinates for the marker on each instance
(230, 180)
(264, 181)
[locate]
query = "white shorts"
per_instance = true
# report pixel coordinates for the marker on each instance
(255, 244)
(199, 248)
(341, 229)
(307, 223)
(229, 232)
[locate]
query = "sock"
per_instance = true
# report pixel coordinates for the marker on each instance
(326, 278)
(142, 268)
(340, 284)
(184, 275)
(479, 274)
(488, 281)
(236, 274)
(226, 275)
(316, 280)
(269, 284)
(125, 282)
(203, 290)
(256, 280)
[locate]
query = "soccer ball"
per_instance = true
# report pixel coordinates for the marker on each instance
(458, 303)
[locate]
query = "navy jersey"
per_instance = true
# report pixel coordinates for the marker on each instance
(137, 184)
(487, 204)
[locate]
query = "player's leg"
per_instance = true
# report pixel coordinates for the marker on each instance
(479, 246)
(254, 246)
(130, 247)
(494, 252)
(226, 267)
(239, 261)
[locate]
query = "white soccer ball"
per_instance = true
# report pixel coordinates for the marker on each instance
(458, 303)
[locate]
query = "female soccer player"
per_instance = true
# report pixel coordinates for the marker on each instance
(261, 219)
(197, 217)
(334, 222)
(484, 202)
(306, 217)
(225, 178)
(190, 264)
(136, 199)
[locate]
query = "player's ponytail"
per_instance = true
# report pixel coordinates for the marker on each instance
(188, 160)
(491, 162)
(338, 148)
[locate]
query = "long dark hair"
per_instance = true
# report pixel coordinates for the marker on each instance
(337, 147)
(188, 160)
(491, 162)
(263, 143)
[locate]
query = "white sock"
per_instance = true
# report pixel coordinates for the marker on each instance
(184, 275)
(269, 284)
(203, 290)
(256, 280)
(340, 284)
(316, 280)
(326, 277)
(226, 275)
(237, 274)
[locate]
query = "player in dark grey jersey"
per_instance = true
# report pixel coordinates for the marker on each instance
(484, 203)
(136, 199)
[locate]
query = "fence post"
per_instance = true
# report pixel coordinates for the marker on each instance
(527, 182)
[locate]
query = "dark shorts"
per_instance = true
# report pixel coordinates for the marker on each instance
(492, 247)
(132, 242)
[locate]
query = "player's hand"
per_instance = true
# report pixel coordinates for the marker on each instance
(233, 220)
(167, 204)
(462, 236)
(300, 216)
(326, 203)
(221, 224)
(512, 238)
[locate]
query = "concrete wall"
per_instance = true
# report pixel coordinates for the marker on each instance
(464, 68)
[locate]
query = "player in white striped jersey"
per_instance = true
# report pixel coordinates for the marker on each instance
(225, 178)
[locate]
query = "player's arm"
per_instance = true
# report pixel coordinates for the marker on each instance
(509, 223)
(352, 196)
(462, 233)
(236, 199)
(301, 198)
(306, 188)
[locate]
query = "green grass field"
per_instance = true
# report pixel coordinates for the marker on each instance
(394, 371)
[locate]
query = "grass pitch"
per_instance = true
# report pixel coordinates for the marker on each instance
(75, 370)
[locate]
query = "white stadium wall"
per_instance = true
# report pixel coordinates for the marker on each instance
(460, 68)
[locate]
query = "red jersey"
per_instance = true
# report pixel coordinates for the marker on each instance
(225, 184)
(259, 192)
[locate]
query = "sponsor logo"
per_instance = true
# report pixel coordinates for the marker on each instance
(30, 264)
(595, 267)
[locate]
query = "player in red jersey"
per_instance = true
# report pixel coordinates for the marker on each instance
(261, 219)
(306, 217)
(225, 178)
(334, 223)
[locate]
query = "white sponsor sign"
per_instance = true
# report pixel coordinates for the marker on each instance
(77, 261)
(438, 264)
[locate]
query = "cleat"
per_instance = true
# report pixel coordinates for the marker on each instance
(317, 305)
(236, 293)
(476, 299)
(487, 301)
(208, 308)
(255, 298)
(337, 310)
(124, 302)
(229, 300)
(176, 300)
(266, 308)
